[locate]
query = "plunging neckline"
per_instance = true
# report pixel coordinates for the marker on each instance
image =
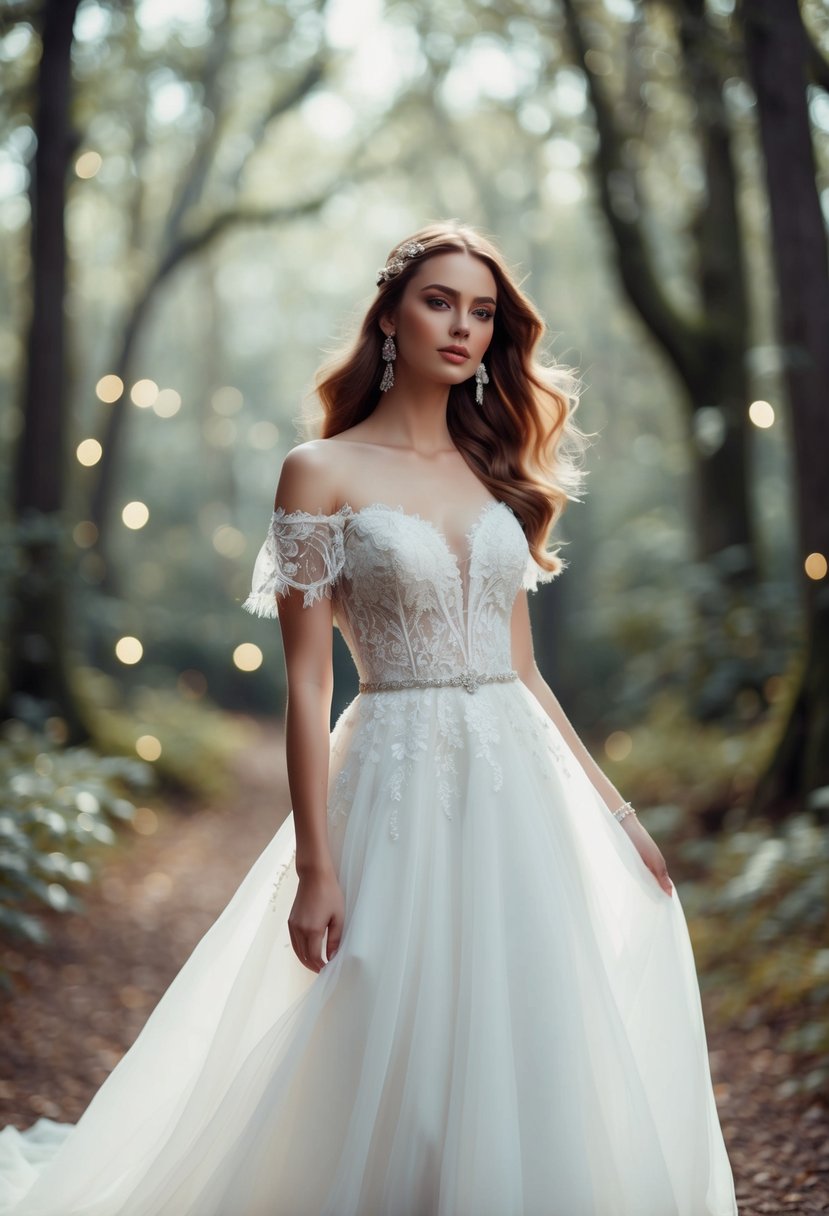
(347, 511)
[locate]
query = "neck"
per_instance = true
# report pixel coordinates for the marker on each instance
(412, 414)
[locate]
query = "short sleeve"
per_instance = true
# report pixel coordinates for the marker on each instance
(535, 574)
(301, 551)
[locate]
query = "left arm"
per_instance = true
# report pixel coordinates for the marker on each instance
(523, 660)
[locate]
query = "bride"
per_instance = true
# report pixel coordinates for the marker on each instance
(458, 981)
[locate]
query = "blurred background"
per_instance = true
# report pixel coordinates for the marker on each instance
(194, 198)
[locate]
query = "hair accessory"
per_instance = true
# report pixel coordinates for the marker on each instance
(481, 378)
(389, 353)
(395, 264)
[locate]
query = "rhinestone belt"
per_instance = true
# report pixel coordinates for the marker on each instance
(467, 678)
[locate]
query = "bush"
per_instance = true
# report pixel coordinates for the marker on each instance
(197, 739)
(758, 921)
(58, 805)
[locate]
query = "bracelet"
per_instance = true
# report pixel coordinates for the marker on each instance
(620, 812)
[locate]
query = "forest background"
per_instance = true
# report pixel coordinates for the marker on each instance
(194, 198)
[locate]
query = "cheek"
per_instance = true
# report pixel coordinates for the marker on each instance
(482, 338)
(423, 328)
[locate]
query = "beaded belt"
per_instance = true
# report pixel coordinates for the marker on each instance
(467, 678)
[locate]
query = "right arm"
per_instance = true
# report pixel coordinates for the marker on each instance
(305, 484)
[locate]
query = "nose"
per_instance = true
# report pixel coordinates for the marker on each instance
(460, 329)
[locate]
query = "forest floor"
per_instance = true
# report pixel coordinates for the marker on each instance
(80, 1001)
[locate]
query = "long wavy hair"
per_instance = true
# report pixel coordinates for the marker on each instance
(522, 443)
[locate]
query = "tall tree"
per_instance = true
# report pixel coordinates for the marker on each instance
(779, 57)
(38, 684)
(706, 344)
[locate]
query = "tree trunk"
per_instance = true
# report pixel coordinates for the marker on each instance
(777, 53)
(706, 348)
(38, 686)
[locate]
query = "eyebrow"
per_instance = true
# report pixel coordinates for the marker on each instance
(450, 291)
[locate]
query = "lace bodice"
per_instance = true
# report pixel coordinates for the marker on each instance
(406, 604)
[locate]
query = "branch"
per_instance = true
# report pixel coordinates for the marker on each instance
(634, 260)
(244, 217)
(192, 186)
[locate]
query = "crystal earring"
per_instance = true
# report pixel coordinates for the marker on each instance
(481, 378)
(389, 353)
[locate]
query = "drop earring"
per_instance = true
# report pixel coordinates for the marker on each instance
(389, 353)
(481, 378)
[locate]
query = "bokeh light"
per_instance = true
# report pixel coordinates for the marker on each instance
(167, 403)
(263, 436)
(761, 413)
(109, 388)
(144, 393)
(229, 541)
(618, 745)
(227, 400)
(247, 657)
(145, 821)
(89, 452)
(148, 747)
(129, 650)
(88, 164)
(135, 514)
(815, 566)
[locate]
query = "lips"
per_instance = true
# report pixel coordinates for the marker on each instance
(455, 350)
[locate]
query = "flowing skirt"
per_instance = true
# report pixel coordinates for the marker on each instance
(511, 1026)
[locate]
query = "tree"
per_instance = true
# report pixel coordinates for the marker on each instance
(778, 53)
(706, 344)
(38, 685)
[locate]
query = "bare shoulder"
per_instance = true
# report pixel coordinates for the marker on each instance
(308, 479)
(314, 474)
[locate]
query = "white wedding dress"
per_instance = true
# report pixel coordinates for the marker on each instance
(512, 1024)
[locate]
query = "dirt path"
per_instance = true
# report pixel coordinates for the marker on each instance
(82, 1000)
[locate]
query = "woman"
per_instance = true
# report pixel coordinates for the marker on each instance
(458, 981)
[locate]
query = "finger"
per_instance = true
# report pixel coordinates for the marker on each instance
(298, 951)
(664, 880)
(333, 943)
(315, 960)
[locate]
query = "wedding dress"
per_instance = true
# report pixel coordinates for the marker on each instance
(512, 1023)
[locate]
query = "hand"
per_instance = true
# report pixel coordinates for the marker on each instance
(319, 907)
(648, 851)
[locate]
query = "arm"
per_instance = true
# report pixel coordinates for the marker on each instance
(307, 634)
(524, 663)
(523, 660)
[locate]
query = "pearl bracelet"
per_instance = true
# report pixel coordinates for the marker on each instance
(622, 811)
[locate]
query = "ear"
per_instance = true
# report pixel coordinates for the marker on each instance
(387, 324)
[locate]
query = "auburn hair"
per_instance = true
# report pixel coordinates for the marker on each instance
(522, 443)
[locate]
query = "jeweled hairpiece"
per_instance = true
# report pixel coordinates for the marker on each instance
(395, 264)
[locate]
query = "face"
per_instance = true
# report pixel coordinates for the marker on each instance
(444, 322)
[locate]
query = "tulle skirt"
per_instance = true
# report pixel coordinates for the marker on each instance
(511, 1027)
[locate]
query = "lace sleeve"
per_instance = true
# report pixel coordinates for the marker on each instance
(301, 551)
(535, 574)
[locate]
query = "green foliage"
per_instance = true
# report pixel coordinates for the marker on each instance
(758, 919)
(58, 805)
(197, 740)
(662, 622)
(756, 897)
(705, 767)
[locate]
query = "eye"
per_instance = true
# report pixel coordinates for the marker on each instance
(484, 313)
(437, 300)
